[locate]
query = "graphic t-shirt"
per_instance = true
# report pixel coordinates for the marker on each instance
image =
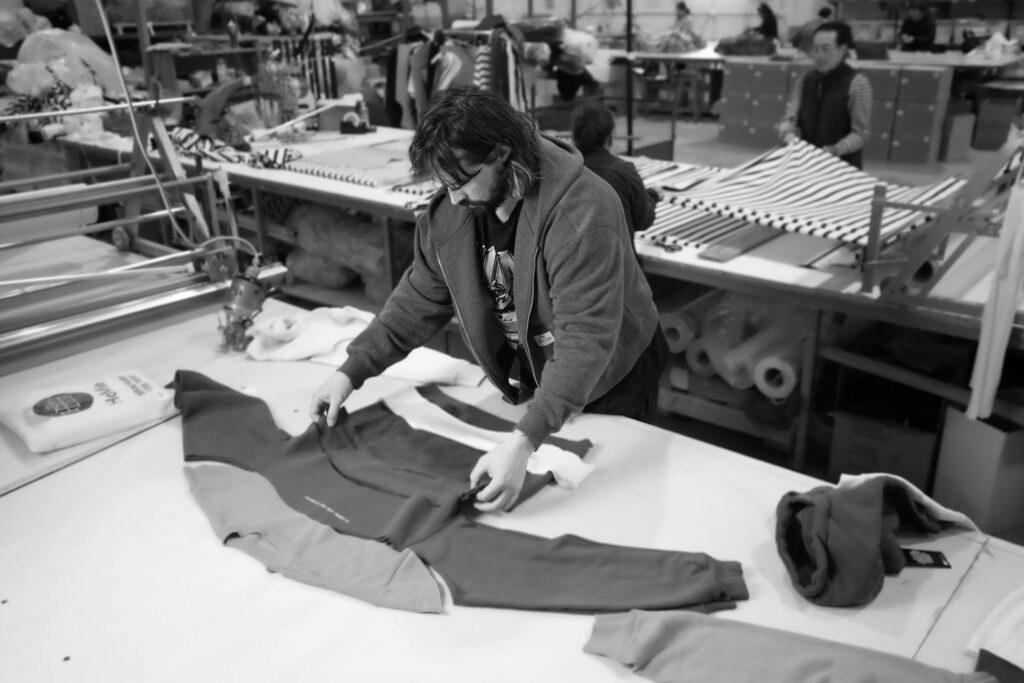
(497, 259)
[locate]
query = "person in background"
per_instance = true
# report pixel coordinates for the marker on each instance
(769, 27)
(592, 128)
(803, 39)
(530, 252)
(830, 106)
(917, 32)
(682, 37)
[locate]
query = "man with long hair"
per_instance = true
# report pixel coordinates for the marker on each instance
(530, 251)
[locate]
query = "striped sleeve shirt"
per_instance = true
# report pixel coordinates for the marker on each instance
(860, 115)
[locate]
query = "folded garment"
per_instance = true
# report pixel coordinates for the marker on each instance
(323, 335)
(838, 543)
(689, 647)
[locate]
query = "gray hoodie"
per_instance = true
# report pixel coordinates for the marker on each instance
(576, 282)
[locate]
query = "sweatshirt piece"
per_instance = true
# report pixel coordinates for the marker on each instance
(838, 543)
(374, 476)
(569, 471)
(246, 513)
(686, 647)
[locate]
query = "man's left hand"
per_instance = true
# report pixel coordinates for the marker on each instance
(506, 466)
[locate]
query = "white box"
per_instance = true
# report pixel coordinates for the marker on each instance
(981, 472)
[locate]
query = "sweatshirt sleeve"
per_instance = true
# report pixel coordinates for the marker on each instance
(416, 310)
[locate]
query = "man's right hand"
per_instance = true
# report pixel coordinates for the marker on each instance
(790, 138)
(332, 393)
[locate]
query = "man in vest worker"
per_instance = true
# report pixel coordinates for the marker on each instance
(830, 107)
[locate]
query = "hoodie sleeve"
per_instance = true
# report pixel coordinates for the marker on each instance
(418, 307)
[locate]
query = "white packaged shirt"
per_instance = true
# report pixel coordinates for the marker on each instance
(51, 417)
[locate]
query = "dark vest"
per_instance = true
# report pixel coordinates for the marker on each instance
(824, 117)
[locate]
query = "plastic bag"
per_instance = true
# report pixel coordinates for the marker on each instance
(75, 59)
(12, 30)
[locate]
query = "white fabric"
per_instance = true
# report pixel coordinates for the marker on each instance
(939, 512)
(323, 335)
(57, 416)
(569, 471)
(801, 188)
(1002, 632)
(675, 227)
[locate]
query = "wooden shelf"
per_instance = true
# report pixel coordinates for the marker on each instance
(681, 403)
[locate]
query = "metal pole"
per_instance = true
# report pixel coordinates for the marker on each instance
(629, 77)
(145, 104)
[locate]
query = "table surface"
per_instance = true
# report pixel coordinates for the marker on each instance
(112, 572)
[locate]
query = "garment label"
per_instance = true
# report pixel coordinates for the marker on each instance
(546, 339)
(925, 558)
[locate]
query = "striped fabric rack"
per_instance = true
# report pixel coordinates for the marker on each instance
(800, 188)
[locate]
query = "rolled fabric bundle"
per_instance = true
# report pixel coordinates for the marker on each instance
(736, 366)
(697, 359)
(680, 329)
(776, 375)
(678, 377)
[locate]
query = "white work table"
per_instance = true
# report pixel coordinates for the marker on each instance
(111, 572)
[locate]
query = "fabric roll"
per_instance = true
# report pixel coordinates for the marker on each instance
(680, 330)
(777, 375)
(698, 360)
(736, 366)
(688, 647)
(679, 378)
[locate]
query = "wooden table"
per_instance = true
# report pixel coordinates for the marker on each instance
(112, 573)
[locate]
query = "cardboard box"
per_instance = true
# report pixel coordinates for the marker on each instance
(980, 472)
(915, 148)
(767, 107)
(956, 137)
(862, 444)
(733, 106)
(756, 75)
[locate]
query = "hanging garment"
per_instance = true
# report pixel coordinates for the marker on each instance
(482, 68)
(402, 84)
(454, 67)
(800, 188)
(685, 647)
(246, 513)
(419, 93)
(322, 336)
(838, 543)
(374, 476)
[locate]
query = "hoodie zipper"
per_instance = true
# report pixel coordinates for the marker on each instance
(469, 338)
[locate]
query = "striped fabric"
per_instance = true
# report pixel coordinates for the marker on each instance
(799, 188)
(482, 68)
(671, 175)
(677, 227)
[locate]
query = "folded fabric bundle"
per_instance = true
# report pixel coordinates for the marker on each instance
(323, 334)
(838, 543)
(688, 647)
(60, 415)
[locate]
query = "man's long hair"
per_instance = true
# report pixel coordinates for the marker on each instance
(475, 122)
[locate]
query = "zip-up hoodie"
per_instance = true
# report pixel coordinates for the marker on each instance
(584, 309)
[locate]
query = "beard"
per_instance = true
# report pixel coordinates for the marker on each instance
(499, 191)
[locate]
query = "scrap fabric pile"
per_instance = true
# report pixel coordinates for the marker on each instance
(800, 188)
